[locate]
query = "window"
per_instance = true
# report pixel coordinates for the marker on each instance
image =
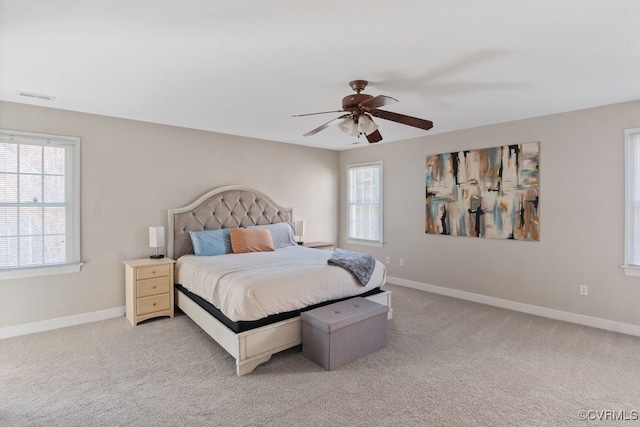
(39, 204)
(632, 202)
(364, 203)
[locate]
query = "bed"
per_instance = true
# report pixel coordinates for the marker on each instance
(252, 337)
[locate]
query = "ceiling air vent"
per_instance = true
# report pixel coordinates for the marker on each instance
(36, 95)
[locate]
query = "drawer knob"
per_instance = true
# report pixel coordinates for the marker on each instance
(153, 272)
(154, 304)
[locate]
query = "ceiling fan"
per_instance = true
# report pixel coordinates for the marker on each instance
(359, 108)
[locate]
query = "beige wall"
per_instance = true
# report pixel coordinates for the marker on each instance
(581, 216)
(131, 172)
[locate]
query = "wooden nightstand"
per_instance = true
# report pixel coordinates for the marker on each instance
(320, 245)
(149, 288)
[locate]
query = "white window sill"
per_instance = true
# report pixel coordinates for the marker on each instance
(365, 243)
(631, 270)
(20, 273)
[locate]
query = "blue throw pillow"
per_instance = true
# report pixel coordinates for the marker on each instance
(211, 242)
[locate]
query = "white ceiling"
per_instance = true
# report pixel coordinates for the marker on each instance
(244, 67)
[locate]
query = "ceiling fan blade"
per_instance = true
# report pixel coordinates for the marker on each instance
(378, 101)
(421, 84)
(374, 136)
(313, 114)
(326, 125)
(403, 119)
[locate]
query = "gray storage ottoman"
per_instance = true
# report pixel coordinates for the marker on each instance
(339, 333)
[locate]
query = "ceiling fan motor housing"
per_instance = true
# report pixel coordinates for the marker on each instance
(350, 102)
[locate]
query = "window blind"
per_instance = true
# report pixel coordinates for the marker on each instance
(39, 201)
(364, 202)
(632, 198)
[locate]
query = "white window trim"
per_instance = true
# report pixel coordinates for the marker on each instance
(70, 267)
(364, 242)
(18, 273)
(629, 134)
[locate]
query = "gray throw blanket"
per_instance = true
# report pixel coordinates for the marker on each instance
(359, 264)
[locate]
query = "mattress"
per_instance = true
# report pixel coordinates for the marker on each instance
(243, 326)
(252, 286)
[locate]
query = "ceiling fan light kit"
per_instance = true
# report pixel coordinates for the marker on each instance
(359, 108)
(364, 125)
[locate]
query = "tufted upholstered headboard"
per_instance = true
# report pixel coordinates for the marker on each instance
(224, 207)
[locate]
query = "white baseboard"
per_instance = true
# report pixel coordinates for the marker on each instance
(60, 322)
(594, 322)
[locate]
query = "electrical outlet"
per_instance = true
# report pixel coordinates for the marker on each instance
(584, 290)
(401, 262)
(388, 260)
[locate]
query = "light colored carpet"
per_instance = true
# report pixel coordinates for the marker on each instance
(448, 363)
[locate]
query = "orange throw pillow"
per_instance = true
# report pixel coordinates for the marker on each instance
(245, 240)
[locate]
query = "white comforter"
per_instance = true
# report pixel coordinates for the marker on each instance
(255, 285)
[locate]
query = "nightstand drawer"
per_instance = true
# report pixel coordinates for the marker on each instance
(152, 271)
(154, 303)
(147, 287)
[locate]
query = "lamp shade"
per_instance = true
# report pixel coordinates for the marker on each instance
(298, 228)
(349, 126)
(156, 237)
(366, 125)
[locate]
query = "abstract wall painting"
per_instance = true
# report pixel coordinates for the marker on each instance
(491, 192)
